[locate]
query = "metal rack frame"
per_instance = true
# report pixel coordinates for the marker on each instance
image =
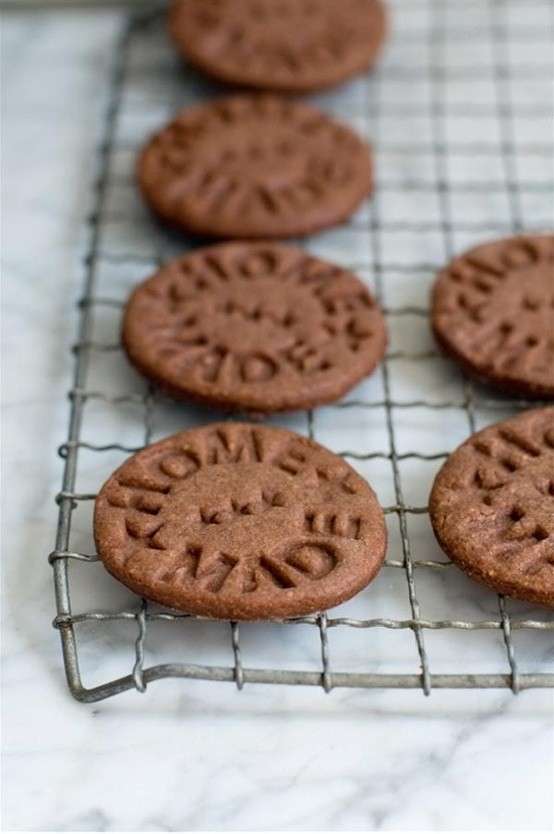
(66, 621)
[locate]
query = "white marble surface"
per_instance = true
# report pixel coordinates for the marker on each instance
(197, 756)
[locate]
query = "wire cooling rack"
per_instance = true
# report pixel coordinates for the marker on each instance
(458, 114)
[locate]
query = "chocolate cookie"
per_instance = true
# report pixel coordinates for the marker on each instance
(493, 311)
(254, 167)
(492, 506)
(260, 327)
(282, 45)
(240, 522)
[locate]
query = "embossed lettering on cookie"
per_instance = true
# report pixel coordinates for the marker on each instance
(241, 522)
(256, 166)
(259, 327)
(492, 506)
(493, 311)
(282, 45)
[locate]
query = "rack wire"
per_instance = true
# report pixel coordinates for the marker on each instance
(423, 26)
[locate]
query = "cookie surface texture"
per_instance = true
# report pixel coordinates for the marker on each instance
(258, 327)
(492, 506)
(255, 166)
(240, 522)
(493, 311)
(281, 45)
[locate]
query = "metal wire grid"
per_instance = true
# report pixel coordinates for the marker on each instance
(438, 73)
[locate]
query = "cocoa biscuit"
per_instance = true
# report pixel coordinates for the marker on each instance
(282, 45)
(254, 167)
(241, 522)
(259, 327)
(492, 506)
(493, 312)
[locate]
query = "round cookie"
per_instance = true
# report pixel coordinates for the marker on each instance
(493, 311)
(492, 506)
(259, 327)
(241, 522)
(282, 45)
(254, 167)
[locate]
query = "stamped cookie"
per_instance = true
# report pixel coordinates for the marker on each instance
(254, 166)
(259, 327)
(282, 45)
(240, 522)
(493, 311)
(492, 506)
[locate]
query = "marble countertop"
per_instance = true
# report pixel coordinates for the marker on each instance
(192, 755)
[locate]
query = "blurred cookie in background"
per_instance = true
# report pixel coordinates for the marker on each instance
(282, 45)
(254, 166)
